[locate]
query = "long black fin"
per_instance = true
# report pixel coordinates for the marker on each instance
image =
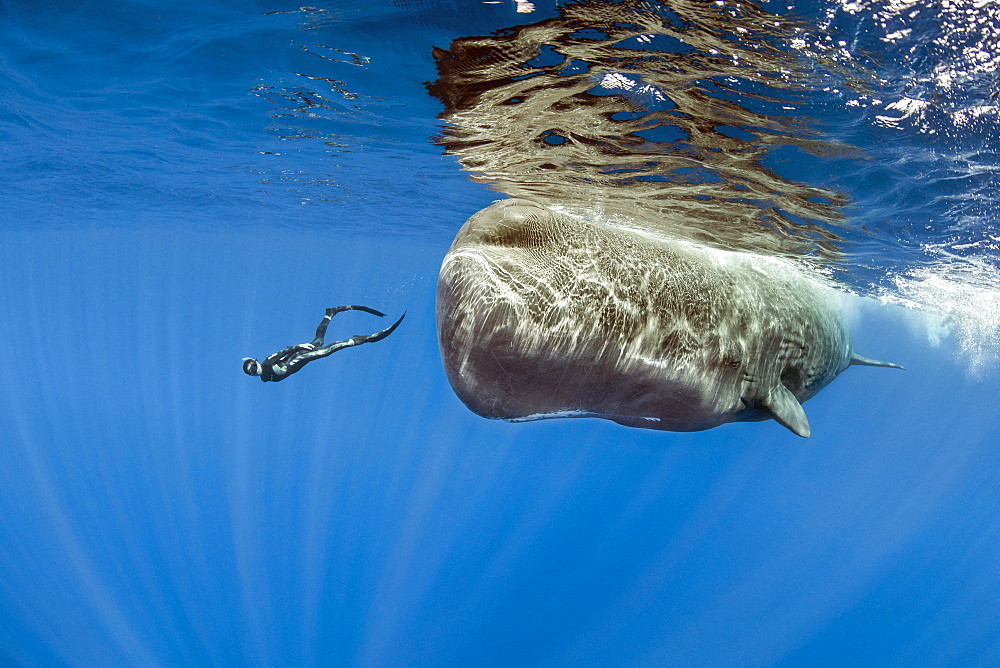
(858, 360)
(787, 411)
(378, 336)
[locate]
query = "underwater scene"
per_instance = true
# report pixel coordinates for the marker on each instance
(624, 332)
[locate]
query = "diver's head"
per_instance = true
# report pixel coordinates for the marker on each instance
(251, 367)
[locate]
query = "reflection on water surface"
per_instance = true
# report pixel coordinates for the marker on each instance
(666, 118)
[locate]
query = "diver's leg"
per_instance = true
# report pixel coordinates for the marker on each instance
(302, 358)
(321, 329)
(334, 310)
(377, 336)
(295, 362)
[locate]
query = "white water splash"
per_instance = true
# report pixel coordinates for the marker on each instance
(947, 307)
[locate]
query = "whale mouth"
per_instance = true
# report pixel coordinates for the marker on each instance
(553, 415)
(579, 414)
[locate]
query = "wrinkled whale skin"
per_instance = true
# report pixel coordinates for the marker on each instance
(540, 314)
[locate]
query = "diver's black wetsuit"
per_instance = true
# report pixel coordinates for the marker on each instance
(284, 363)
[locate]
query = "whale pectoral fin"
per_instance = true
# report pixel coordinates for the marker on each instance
(787, 411)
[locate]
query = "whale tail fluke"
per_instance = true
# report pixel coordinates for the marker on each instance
(859, 360)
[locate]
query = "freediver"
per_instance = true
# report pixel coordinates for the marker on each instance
(284, 363)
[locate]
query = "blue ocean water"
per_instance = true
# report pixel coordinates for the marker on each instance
(186, 184)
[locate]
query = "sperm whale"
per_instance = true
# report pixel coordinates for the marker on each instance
(541, 314)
